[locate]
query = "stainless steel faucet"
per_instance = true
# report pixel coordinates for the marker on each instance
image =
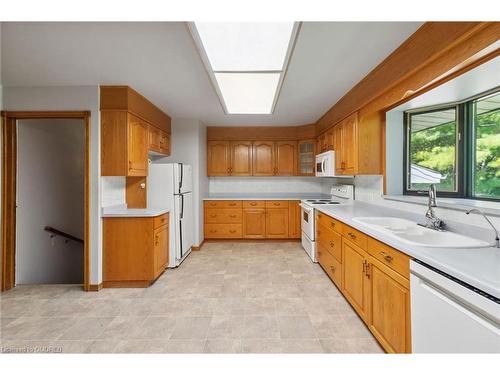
(432, 220)
(497, 240)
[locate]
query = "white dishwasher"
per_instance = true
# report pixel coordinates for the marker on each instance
(449, 316)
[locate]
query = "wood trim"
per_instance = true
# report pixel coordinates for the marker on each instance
(127, 284)
(437, 46)
(94, 287)
(261, 133)
(126, 98)
(198, 248)
(9, 185)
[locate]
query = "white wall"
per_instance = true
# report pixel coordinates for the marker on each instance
(264, 185)
(50, 191)
(189, 147)
(79, 98)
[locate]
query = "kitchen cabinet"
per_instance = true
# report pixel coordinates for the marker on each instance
(264, 158)
(355, 278)
(286, 158)
(218, 158)
(254, 223)
(241, 158)
(330, 265)
(389, 316)
(306, 157)
(277, 223)
(294, 212)
(135, 250)
(257, 219)
(130, 126)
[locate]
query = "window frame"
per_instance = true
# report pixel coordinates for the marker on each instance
(465, 149)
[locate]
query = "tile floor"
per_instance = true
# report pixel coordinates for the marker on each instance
(227, 298)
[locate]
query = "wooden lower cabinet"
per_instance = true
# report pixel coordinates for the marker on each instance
(135, 250)
(254, 223)
(373, 277)
(252, 219)
(355, 280)
(389, 317)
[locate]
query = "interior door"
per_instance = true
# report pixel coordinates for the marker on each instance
(241, 158)
(218, 162)
(286, 158)
(137, 147)
(354, 278)
(263, 158)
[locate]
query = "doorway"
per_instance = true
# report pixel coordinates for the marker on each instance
(45, 198)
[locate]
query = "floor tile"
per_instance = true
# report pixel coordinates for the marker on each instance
(191, 328)
(261, 327)
(296, 327)
(219, 346)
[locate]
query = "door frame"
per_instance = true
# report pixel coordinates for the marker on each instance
(9, 187)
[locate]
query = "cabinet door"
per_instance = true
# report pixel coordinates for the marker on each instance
(160, 249)
(286, 158)
(389, 318)
(330, 140)
(338, 148)
(277, 223)
(154, 138)
(350, 144)
(355, 281)
(241, 158)
(218, 162)
(294, 230)
(165, 143)
(254, 222)
(137, 147)
(263, 158)
(306, 157)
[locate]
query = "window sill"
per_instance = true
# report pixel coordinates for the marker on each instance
(458, 204)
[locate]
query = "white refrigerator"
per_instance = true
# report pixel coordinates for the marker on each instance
(170, 186)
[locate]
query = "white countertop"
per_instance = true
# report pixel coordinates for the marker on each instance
(479, 267)
(266, 196)
(123, 211)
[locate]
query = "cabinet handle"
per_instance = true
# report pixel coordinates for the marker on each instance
(333, 268)
(213, 204)
(318, 232)
(332, 224)
(253, 204)
(129, 165)
(157, 239)
(364, 267)
(352, 235)
(213, 215)
(277, 204)
(367, 270)
(232, 231)
(319, 253)
(232, 204)
(213, 231)
(232, 216)
(228, 170)
(332, 244)
(387, 257)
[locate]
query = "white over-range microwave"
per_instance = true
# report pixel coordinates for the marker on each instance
(325, 165)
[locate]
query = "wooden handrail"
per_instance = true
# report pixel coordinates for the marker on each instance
(56, 232)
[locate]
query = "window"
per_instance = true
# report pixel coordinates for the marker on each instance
(456, 148)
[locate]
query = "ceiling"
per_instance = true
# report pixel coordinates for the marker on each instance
(160, 60)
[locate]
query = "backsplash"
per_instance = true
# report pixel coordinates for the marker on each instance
(264, 185)
(112, 191)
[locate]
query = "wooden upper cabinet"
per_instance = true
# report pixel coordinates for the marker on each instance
(154, 138)
(350, 144)
(165, 143)
(218, 159)
(330, 140)
(286, 158)
(306, 157)
(263, 158)
(338, 148)
(137, 147)
(241, 158)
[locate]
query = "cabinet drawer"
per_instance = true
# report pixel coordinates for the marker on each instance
(392, 258)
(276, 204)
(223, 204)
(330, 241)
(254, 204)
(159, 221)
(355, 236)
(331, 265)
(223, 231)
(329, 222)
(223, 215)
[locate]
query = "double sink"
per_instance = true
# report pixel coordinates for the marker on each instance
(411, 233)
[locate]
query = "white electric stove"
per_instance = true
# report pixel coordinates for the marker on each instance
(340, 194)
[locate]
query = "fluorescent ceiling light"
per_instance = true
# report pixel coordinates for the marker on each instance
(250, 93)
(245, 46)
(246, 62)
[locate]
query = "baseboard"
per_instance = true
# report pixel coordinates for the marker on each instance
(95, 287)
(197, 248)
(252, 240)
(127, 284)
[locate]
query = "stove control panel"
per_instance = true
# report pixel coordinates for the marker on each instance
(342, 191)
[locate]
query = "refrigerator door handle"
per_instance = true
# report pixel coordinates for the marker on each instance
(181, 177)
(182, 206)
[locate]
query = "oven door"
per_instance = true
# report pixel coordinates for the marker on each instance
(307, 221)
